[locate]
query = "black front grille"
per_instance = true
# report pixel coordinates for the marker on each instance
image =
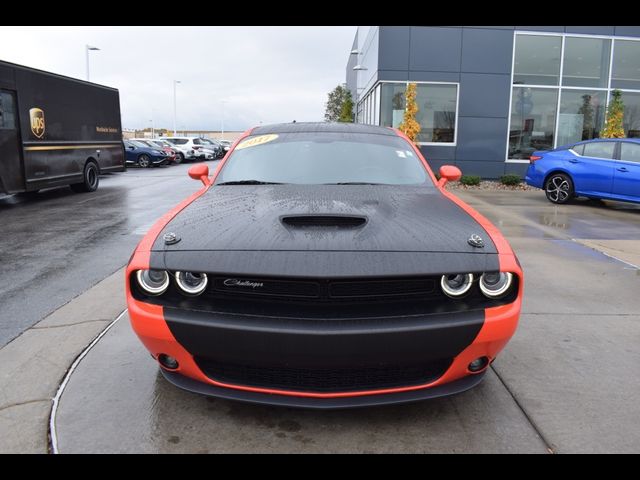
(325, 289)
(342, 289)
(323, 298)
(268, 287)
(324, 380)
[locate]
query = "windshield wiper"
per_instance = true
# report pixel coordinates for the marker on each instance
(356, 183)
(249, 182)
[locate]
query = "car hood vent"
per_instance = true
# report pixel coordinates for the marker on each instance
(336, 221)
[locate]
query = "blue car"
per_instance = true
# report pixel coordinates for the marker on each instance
(599, 169)
(143, 155)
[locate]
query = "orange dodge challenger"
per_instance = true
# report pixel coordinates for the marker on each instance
(324, 266)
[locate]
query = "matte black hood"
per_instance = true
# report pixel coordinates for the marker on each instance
(397, 219)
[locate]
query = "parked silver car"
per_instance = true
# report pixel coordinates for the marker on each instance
(193, 145)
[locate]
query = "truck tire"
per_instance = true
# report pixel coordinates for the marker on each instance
(91, 179)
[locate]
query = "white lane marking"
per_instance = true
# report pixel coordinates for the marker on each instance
(56, 398)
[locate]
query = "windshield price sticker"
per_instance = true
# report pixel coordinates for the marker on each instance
(255, 141)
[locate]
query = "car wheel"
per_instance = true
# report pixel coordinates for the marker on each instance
(91, 179)
(179, 158)
(144, 161)
(559, 188)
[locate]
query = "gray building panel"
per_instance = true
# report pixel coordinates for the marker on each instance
(593, 30)
(394, 48)
(440, 152)
(434, 76)
(546, 28)
(352, 76)
(487, 50)
(628, 31)
(498, 27)
(482, 139)
(484, 169)
(516, 168)
(484, 95)
(393, 75)
(435, 49)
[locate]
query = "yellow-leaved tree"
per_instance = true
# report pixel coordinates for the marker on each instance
(410, 126)
(613, 127)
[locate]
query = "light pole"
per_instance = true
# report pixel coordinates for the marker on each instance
(87, 48)
(222, 102)
(175, 82)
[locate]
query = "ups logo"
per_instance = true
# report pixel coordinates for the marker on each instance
(37, 122)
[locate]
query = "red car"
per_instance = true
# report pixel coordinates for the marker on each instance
(324, 266)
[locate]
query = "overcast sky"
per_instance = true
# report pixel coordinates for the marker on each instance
(264, 74)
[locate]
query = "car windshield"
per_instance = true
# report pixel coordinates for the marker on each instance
(139, 144)
(313, 158)
(177, 141)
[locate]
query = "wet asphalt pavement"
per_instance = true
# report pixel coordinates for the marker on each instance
(57, 244)
(567, 381)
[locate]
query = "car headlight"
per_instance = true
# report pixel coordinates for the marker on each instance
(496, 284)
(191, 283)
(456, 285)
(153, 282)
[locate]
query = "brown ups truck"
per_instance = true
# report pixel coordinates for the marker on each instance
(56, 131)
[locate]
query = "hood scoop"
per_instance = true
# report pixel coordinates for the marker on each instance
(325, 221)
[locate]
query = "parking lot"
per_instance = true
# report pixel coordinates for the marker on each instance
(565, 383)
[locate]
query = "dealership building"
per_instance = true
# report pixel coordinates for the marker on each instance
(490, 96)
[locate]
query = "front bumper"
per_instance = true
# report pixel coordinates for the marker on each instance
(280, 344)
(319, 344)
(452, 388)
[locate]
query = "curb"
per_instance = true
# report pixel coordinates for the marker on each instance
(36, 362)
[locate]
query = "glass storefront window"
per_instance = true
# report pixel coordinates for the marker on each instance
(588, 71)
(537, 60)
(631, 121)
(392, 104)
(533, 121)
(586, 62)
(626, 65)
(436, 112)
(582, 114)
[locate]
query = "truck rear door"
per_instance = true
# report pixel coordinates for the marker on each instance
(11, 172)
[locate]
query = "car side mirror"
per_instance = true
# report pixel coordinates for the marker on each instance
(200, 172)
(131, 147)
(449, 173)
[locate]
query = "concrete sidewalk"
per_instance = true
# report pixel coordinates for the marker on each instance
(35, 363)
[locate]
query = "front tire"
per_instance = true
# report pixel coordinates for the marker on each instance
(144, 161)
(559, 188)
(91, 179)
(179, 158)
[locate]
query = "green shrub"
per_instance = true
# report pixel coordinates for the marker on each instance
(510, 179)
(470, 180)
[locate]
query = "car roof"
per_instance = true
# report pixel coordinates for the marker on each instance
(596, 140)
(322, 127)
